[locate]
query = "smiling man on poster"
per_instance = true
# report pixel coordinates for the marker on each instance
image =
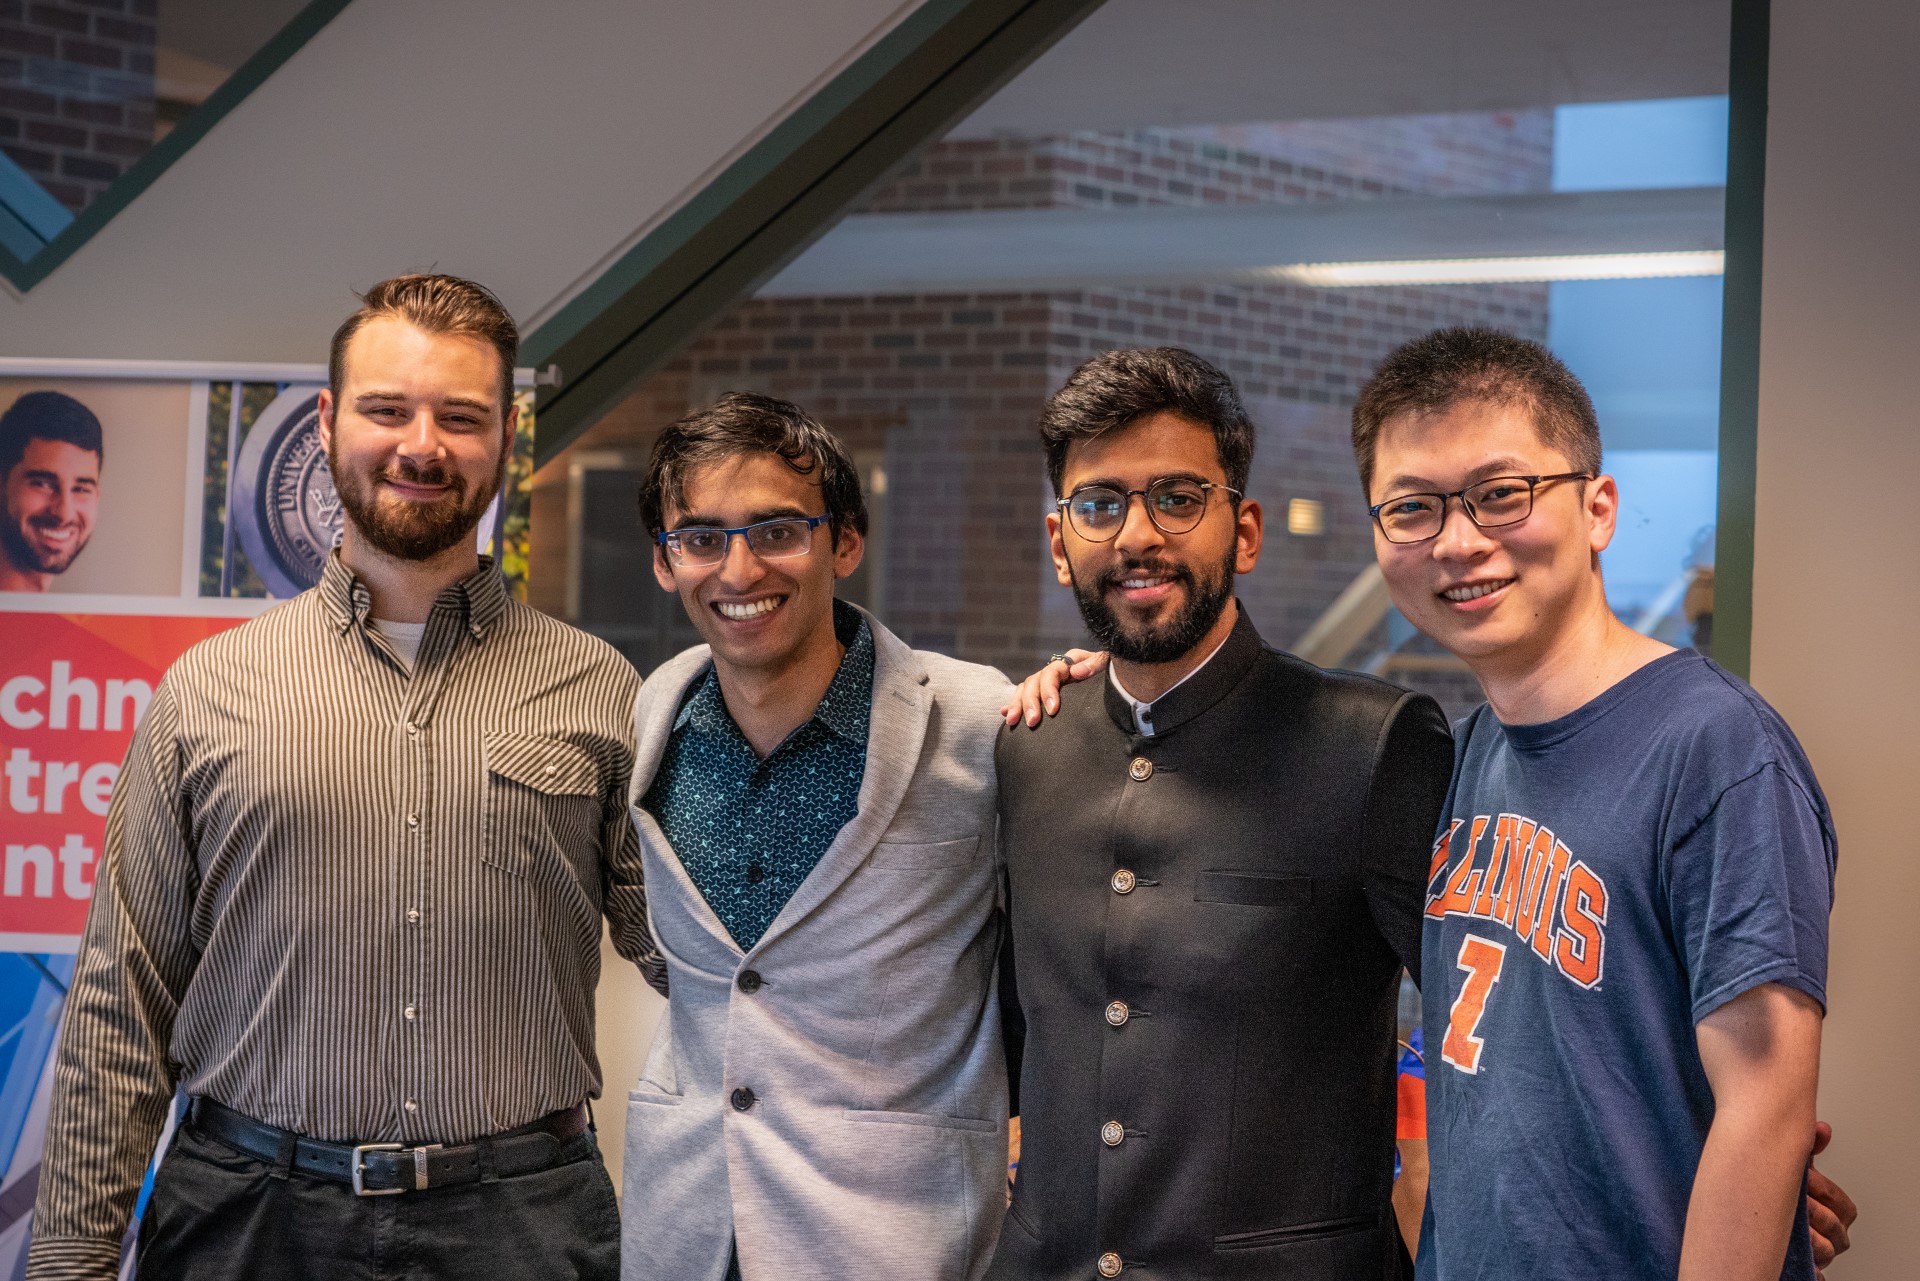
(50, 455)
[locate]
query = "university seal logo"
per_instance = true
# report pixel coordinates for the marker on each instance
(285, 509)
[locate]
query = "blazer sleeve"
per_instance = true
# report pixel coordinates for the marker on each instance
(1412, 766)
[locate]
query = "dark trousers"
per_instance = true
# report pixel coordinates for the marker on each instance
(219, 1215)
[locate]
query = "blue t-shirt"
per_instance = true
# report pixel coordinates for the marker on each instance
(1601, 883)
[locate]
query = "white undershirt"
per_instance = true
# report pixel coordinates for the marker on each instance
(404, 637)
(1143, 712)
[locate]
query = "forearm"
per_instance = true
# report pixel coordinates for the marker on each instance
(1410, 1191)
(110, 1098)
(112, 1082)
(1745, 1193)
(1761, 1052)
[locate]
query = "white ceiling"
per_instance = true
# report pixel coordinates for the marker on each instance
(1186, 62)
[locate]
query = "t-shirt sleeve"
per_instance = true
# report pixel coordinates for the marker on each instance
(1749, 890)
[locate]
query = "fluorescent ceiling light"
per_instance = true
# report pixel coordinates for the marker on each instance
(1481, 271)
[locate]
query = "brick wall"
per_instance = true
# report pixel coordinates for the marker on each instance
(76, 91)
(949, 386)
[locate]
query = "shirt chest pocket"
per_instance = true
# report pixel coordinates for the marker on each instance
(542, 802)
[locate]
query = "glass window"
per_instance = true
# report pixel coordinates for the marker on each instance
(1294, 246)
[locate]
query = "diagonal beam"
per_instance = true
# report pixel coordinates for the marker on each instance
(926, 74)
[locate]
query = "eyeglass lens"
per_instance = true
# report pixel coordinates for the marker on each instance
(1412, 518)
(1174, 504)
(769, 540)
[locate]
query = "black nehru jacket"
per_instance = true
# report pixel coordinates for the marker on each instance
(1207, 931)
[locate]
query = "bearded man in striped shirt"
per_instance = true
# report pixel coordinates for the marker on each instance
(355, 870)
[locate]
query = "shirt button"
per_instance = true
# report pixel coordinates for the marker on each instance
(1124, 881)
(411, 1105)
(755, 873)
(1118, 1013)
(412, 729)
(1109, 1265)
(552, 770)
(413, 820)
(413, 916)
(742, 1099)
(1112, 1133)
(749, 981)
(410, 1012)
(1140, 771)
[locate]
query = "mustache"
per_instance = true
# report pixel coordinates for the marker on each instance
(1145, 568)
(48, 521)
(410, 473)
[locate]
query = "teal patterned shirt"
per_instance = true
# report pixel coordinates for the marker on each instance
(747, 830)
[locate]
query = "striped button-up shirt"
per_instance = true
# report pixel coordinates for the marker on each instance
(350, 897)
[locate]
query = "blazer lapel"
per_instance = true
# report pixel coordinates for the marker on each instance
(895, 732)
(653, 717)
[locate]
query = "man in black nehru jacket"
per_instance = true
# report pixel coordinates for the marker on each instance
(1217, 860)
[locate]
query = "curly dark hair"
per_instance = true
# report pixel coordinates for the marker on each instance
(742, 422)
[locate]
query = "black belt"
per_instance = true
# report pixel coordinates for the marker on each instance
(387, 1169)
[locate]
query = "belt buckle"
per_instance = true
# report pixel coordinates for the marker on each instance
(360, 1150)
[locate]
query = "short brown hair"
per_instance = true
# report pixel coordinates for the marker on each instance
(1440, 370)
(743, 422)
(439, 305)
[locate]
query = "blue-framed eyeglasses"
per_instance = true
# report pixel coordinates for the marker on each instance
(781, 539)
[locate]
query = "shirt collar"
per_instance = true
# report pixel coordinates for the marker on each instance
(1143, 712)
(1201, 689)
(481, 596)
(844, 710)
(848, 703)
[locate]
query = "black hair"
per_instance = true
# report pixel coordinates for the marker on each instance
(47, 415)
(745, 423)
(1123, 386)
(1442, 369)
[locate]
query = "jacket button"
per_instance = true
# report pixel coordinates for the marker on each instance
(1140, 771)
(749, 981)
(1109, 1265)
(742, 1099)
(1113, 1133)
(1124, 881)
(1118, 1013)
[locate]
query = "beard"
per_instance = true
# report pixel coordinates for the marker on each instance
(24, 556)
(406, 530)
(1152, 643)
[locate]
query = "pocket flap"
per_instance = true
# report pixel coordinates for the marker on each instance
(549, 765)
(1253, 889)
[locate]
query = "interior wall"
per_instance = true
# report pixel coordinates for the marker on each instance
(523, 145)
(1836, 549)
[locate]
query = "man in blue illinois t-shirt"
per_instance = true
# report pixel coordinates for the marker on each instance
(1626, 942)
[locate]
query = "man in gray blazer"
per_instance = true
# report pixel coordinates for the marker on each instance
(826, 1097)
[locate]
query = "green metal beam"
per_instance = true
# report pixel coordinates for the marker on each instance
(785, 192)
(28, 270)
(1740, 337)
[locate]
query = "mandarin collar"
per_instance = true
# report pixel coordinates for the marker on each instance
(1203, 689)
(481, 597)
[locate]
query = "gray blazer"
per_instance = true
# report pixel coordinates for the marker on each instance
(874, 1146)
